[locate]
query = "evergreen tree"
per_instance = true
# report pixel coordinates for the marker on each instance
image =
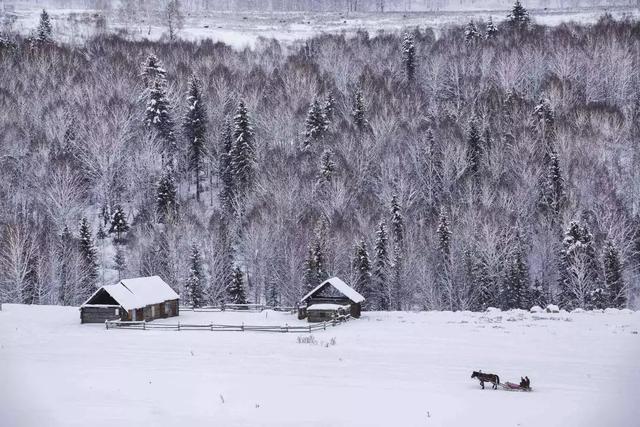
(615, 288)
(272, 297)
(443, 281)
(44, 31)
(119, 223)
(195, 130)
(409, 56)
(519, 16)
(482, 288)
(120, 262)
(474, 148)
(546, 119)
(316, 124)
(158, 117)
(362, 268)
(243, 152)
(553, 197)
(152, 71)
(101, 234)
(515, 291)
(327, 167)
(491, 30)
(236, 290)
(380, 269)
(195, 280)
(89, 256)
(359, 111)
(578, 268)
(65, 255)
(329, 108)
(397, 230)
(166, 197)
(315, 265)
(471, 33)
(225, 172)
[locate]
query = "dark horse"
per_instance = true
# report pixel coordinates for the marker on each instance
(489, 378)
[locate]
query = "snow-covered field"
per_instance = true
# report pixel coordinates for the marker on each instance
(246, 29)
(386, 369)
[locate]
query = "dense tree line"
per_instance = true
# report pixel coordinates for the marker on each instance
(493, 165)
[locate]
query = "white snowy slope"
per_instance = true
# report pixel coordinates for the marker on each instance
(385, 369)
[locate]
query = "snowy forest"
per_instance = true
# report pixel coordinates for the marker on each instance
(490, 165)
(318, 5)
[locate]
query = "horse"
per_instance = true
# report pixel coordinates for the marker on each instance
(490, 378)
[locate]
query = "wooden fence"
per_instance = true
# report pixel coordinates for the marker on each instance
(143, 325)
(236, 307)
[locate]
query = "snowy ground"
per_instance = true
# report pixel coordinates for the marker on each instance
(409, 369)
(242, 29)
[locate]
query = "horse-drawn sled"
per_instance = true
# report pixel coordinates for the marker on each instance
(525, 383)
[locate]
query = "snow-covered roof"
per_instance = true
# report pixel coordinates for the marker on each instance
(331, 307)
(341, 287)
(138, 292)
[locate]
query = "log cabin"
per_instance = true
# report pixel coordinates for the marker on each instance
(142, 298)
(329, 299)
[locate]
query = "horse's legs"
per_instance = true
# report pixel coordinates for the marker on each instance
(482, 384)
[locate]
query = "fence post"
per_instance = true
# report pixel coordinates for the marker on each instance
(324, 325)
(309, 328)
(144, 325)
(178, 325)
(106, 323)
(242, 327)
(211, 324)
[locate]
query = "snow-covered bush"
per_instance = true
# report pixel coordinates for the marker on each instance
(536, 309)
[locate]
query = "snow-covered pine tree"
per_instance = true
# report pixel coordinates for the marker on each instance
(153, 71)
(380, 277)
(236, 290)
(225, 171)
(101, 234)
(579, 268)
(615, 287)
(359, 111)
(89, 257)
(515, 290)
(315, 124)
(64, 252)
(409, 56)
(243, 153)
(120, 262)
(167, 197)
(362, 269)
(519, 16)
(44, 32)
(327, 167)
(158, 117)
(272, 298)
(482, 285)
(474, 147)
(433, 171)
(195, 281)
(397, 231)
(119, 223)
(195, 131)
(444, 280)
(471, 33)
(329, 108)
(546, 119)
(491, 29)
(553, 197)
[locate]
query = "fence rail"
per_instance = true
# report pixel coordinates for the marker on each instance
(236, 307)
(144, 325)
